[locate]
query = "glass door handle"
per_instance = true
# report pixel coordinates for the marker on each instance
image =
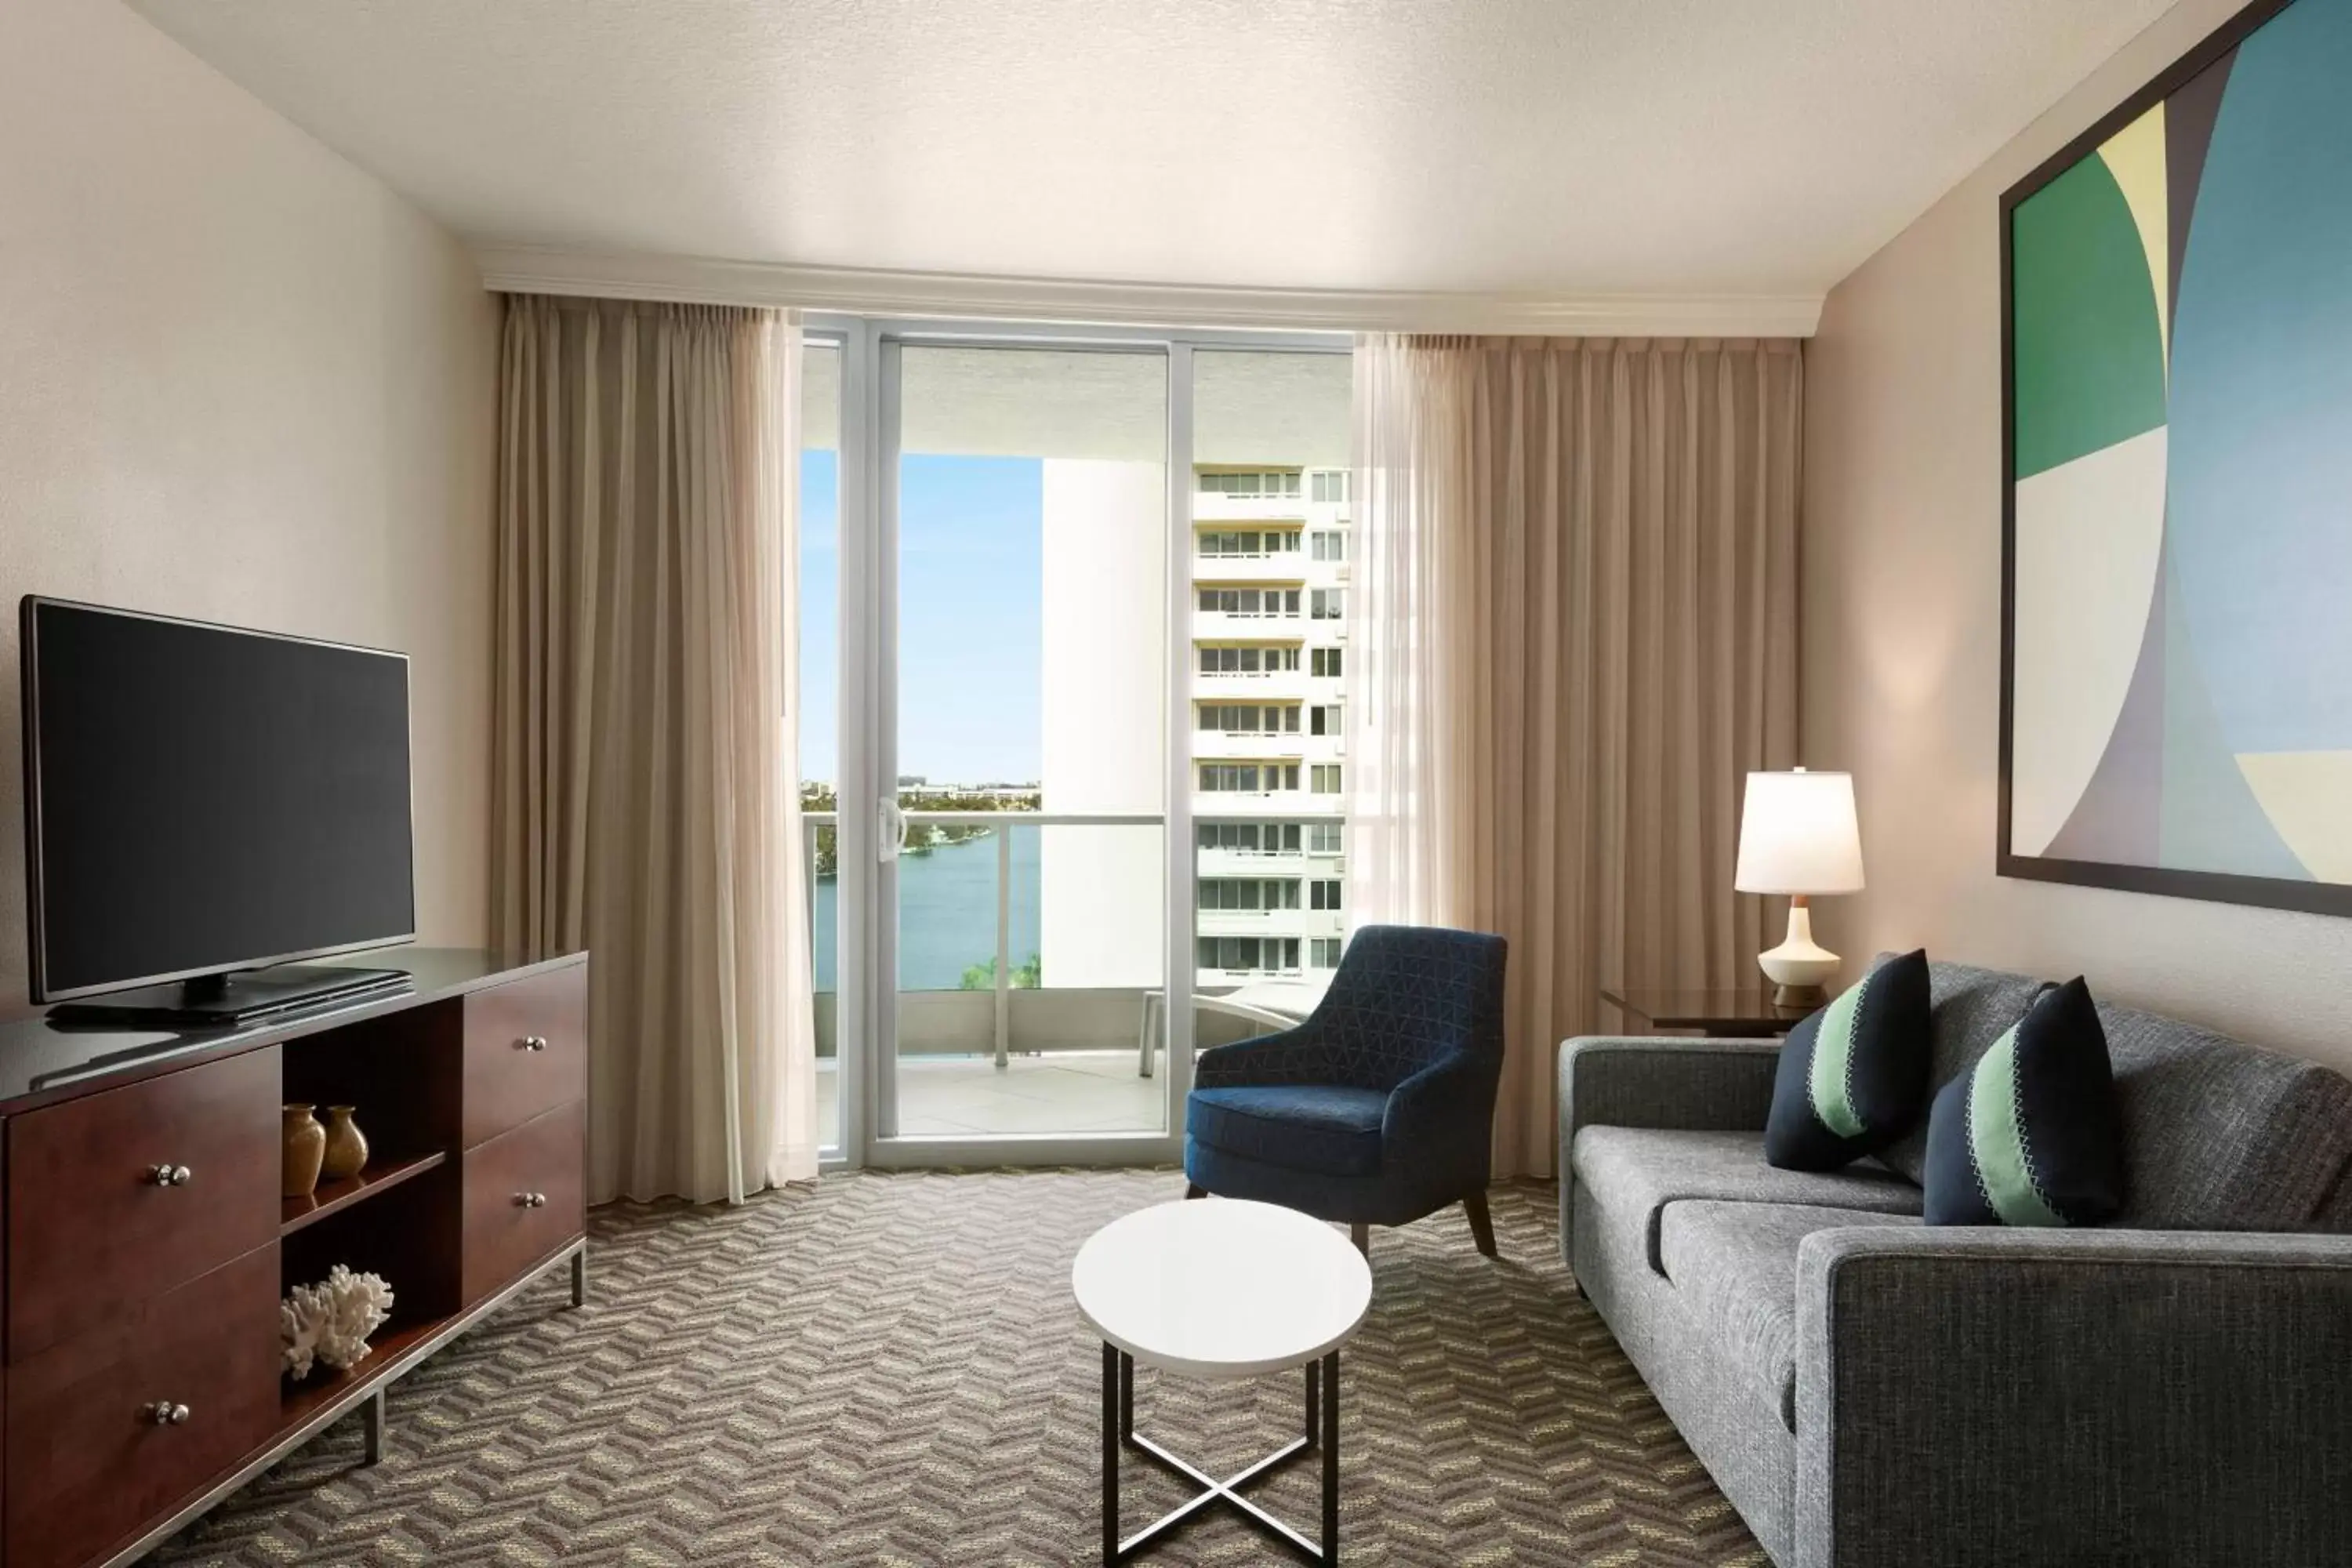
(893, 836)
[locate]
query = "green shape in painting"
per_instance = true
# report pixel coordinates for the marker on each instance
(2089, 357)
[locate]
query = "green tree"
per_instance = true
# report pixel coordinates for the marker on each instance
(1029, 976)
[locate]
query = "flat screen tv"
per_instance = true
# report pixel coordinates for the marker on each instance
(202, 801)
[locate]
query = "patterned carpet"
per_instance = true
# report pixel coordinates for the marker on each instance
(887, 1369)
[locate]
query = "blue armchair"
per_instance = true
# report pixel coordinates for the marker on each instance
(1380, 1108)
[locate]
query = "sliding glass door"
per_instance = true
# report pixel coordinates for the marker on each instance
(1005, 853)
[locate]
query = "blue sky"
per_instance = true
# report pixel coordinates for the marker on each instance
(971, 634)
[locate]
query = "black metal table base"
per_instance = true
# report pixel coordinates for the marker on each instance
(1322, 1431)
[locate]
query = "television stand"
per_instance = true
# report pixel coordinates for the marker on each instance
(226, 1000)
(150, 1238)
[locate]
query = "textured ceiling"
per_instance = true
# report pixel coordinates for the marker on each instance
(1521, 146)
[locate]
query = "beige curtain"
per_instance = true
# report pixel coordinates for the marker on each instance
(1573, 630)
(644, 750)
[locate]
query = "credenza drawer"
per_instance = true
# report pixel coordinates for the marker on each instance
(111, 1429)
(524, 1198)
(125, 1194)
(526, 1051)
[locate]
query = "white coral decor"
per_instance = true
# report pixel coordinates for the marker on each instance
(331, 1322)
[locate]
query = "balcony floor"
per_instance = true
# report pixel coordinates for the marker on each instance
(964, 1096)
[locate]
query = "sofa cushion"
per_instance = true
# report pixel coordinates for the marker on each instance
(1734, 1265)
(1307, 1127)
(1852, 1077)
(2218, 1135)
(2029, 1135)
(1634, 1172)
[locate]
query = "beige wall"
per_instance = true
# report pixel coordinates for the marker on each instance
(242, 380)
(1902, 608)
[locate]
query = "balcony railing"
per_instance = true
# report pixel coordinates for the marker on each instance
(1044, 1017)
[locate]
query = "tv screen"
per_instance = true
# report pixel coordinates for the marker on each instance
(199, 798)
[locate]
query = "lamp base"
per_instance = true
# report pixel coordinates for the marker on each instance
(1800, 968)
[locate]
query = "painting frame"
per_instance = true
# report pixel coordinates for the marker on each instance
(2221, 887)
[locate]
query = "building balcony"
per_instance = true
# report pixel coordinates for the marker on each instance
(1249, 922)
(1224, 625)
(1255, 862)
(1277, 568)
(1249, 746)
(1214, 506)
(1251, 686)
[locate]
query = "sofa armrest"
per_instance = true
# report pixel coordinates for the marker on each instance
(1657, 1080)
(1974, 1397)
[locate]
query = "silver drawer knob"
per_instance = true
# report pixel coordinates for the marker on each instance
(168, 1175)
(164, 1413)
(532, 1043)
(531, 1200)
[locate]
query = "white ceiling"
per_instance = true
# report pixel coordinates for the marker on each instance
(1524, 147)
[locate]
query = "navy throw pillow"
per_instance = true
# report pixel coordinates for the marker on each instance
(1853, 1076)
(2032, 1134)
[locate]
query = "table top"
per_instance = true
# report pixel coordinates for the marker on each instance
(40, 1060)
(1666, 1008)
(1221, 1288)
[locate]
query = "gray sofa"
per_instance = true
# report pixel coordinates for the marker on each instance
(1870, 1392)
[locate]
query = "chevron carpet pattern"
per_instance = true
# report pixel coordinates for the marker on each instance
(887, 1369)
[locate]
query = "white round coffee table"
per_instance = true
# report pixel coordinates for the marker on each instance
(1218, 1288)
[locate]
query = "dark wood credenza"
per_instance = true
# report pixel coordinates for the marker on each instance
(147, 1244)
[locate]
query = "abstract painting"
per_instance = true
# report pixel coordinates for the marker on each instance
(2177, 646)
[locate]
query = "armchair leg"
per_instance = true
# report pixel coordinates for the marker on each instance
(1194, 1190)
(1482, 1224)
(1361, 1234)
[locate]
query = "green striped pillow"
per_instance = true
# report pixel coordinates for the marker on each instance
(2032, 1135)
(1854, 1077)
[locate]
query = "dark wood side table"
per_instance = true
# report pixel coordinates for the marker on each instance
(1716, 1014)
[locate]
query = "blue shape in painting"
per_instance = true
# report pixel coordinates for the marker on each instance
(2259, 489)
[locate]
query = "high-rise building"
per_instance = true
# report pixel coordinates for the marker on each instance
(1270, 548)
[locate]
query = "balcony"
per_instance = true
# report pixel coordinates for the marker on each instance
(1250, 686)
(1278, 568)
(1244, 626)
(1215, 506)
(998, 1048)
(1249, 746)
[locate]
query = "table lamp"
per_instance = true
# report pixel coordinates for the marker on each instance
(1798, 836)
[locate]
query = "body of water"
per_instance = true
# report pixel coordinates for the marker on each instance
(947, 912)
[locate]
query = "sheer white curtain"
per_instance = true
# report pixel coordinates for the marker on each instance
(644, 750)
(1572, 631)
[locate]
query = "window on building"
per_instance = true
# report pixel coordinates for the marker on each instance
(1323, 952)
(1328, 605)
(1326, 893)
(1251, 485)
(1324, 662)
(1248, 894)
(1248, 954)
(1326, 779)
(1330, 486)
(1324, 837)
(1248, 541)
(1250, 601)
(1324, 719)
(1328, 544)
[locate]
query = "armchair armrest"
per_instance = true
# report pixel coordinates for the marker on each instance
(1993, 1396)
(1443, 1119)
(1265, 1058)
(1660, 1080)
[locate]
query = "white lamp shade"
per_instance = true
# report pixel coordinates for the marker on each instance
(1798, 833)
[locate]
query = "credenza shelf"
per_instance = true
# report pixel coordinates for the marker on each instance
(335, 1197)
(147, 1246)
